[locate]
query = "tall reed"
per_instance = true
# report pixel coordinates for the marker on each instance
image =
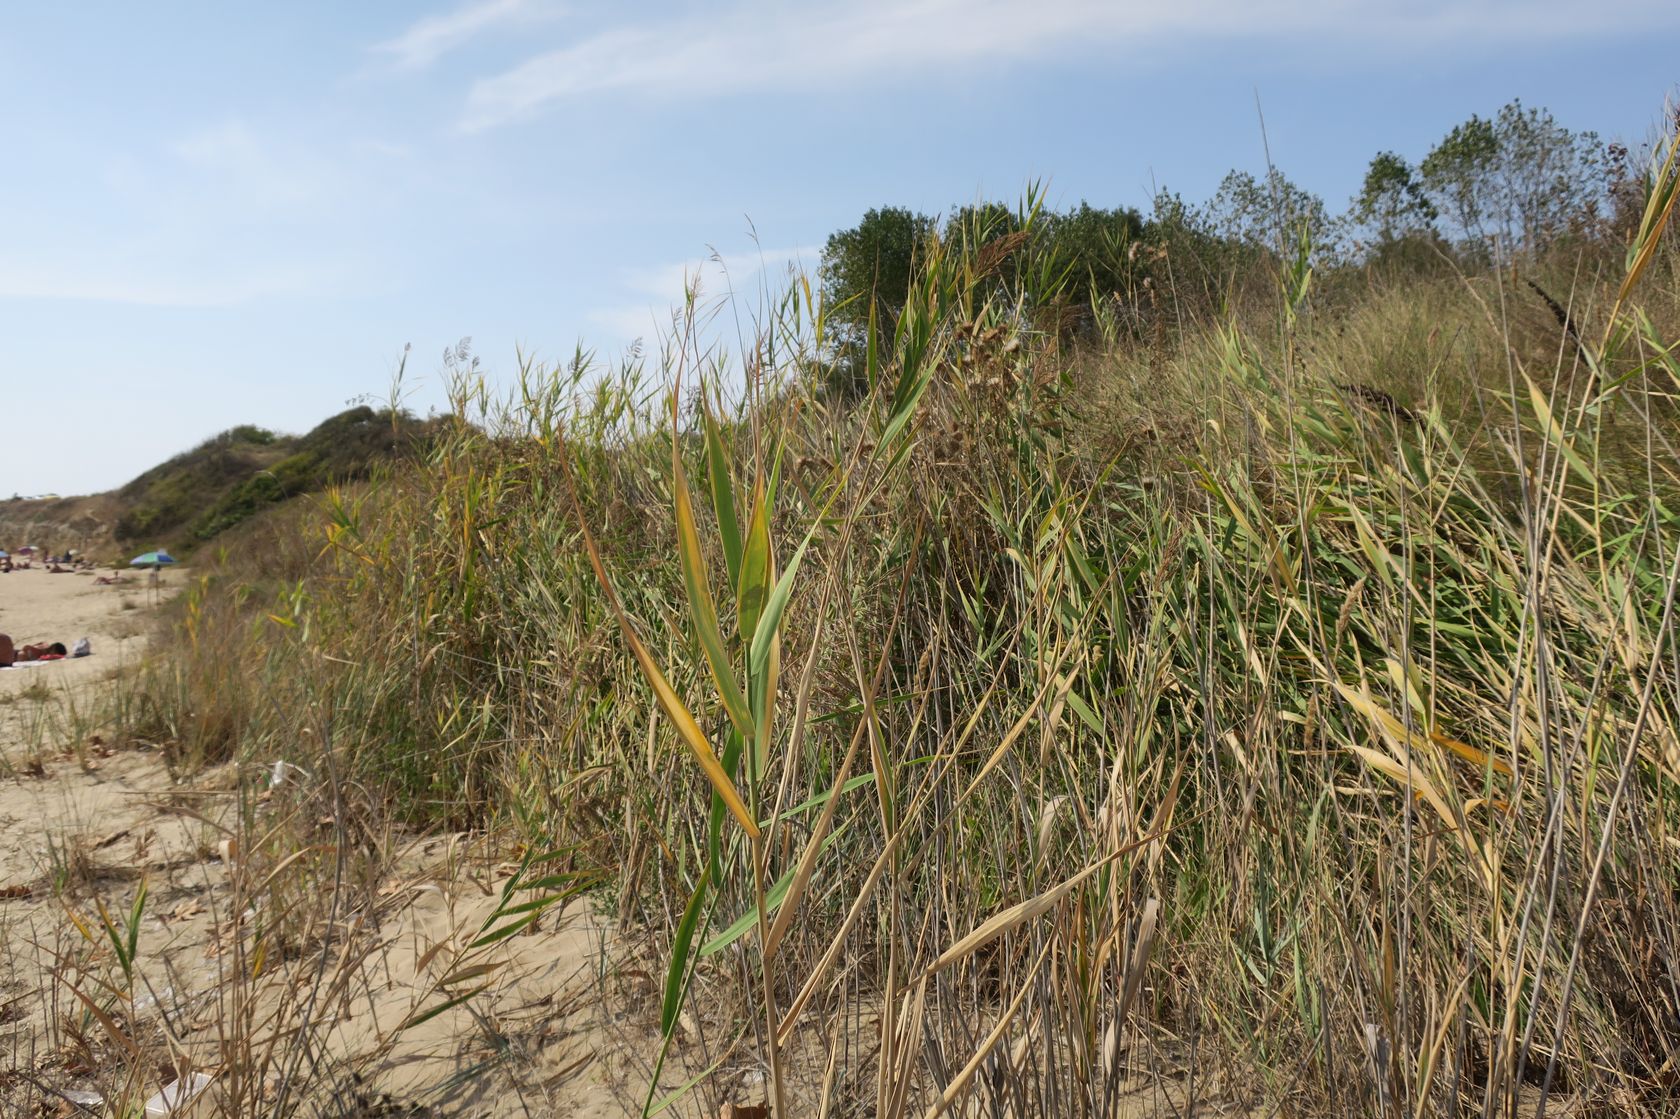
(1055, 728)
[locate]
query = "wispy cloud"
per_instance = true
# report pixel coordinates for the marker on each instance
(220, 215)
(659, 291)
(234, 159)
(754, 45)
(718, 274)
(138, 287)
(429, 39)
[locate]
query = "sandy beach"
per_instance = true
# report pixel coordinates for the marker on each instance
(39, 606)
(88, 819)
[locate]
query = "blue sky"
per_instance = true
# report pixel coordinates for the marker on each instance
(216, 213)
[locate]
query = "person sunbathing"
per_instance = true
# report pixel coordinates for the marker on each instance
(42, 651)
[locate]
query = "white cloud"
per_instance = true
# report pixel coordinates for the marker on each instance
(715, 274)
(429, 39)
(138, 287)
(630, 322)
(240, 163)
(754, 44)
(219, 216)
(717, 278)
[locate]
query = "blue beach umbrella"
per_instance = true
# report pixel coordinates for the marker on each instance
(152, 559)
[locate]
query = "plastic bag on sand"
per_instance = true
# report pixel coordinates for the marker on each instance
(178, 1098)
(82, 648)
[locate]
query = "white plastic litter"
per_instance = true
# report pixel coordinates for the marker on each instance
(177, 1099)
(283, 771)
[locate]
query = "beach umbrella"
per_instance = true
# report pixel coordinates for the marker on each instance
(152, 559)
(27, 550)
(5, 554)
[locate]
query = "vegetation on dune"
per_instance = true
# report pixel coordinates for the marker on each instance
(1256, 663)
(232, 476)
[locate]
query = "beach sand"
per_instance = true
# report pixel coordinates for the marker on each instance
(87, 817)
(38, 606)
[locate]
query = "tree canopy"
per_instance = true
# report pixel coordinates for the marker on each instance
(873, 260)
(1516, 182)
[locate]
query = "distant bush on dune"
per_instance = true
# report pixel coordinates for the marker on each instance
(232, 476)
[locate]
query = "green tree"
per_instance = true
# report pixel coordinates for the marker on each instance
(970, 227)
(874, 261)
(1268, 214)
(1096, 248)
(1067, 258)
(1516, 182)
(1458, 171)
(1392, 203)
(1189, 264)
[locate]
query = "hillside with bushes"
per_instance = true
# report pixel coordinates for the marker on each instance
(234, 475)
(216, 485)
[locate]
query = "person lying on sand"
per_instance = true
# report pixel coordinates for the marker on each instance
(107, 580)
(10, 654)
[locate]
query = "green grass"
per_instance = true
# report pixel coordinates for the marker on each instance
(1150, 705)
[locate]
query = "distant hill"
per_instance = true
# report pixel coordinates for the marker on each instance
(216, 485)
(61, 523)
